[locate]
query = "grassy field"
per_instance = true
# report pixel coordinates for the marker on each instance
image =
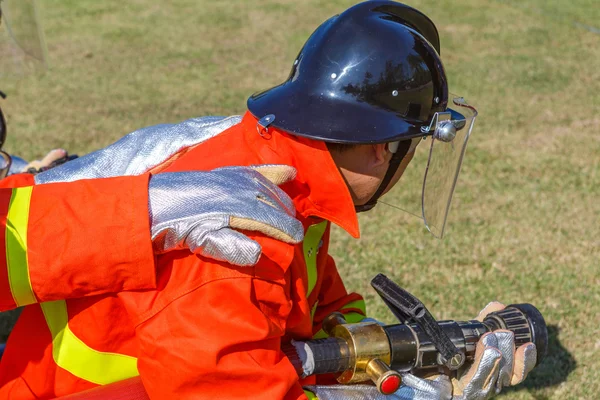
(525, 223)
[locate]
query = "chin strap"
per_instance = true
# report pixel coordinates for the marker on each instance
(395, 161)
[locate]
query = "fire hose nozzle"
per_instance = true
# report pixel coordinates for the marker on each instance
(366, 350)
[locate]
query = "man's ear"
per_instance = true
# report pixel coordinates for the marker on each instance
(380, 154)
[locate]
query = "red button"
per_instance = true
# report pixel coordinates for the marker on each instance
(390, 384)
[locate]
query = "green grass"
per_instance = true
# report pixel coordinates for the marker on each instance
(525, 220)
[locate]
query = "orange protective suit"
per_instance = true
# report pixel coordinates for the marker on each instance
(209, 329)
(48, 232)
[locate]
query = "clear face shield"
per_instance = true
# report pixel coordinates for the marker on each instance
(441, 153)
(22, 43)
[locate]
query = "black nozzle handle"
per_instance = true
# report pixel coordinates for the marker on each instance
(407, 308)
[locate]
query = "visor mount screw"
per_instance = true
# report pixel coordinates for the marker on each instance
(333, 76)
(394, 93)
(436, 100)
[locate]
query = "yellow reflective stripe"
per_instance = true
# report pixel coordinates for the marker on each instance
(310, 395)
(314, 310)
(310, 246)
(16, 246)
(351, 318)
(71, 354)
(359, 304)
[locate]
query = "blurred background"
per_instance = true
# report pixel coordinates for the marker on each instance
(525, 220)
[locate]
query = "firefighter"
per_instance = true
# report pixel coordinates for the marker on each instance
(55, 222)
(364, 91)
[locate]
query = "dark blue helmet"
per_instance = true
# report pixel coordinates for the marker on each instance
(372, 74)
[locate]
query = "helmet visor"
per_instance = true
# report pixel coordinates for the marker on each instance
(427, 184)
(446, 153)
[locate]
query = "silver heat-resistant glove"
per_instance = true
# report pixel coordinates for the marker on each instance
(412, 388)
(197, 210)
(497, 363)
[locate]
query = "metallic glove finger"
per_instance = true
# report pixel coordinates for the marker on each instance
(248, 178)
(273, 215)
(415, 388)
(168, 234)
(268, 192)
(483, 382)
(480, 379)
(525, 359)
(225, 245)
(505, 342)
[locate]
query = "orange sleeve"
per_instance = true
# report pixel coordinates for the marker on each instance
(17, 180)
(75, 239)
(220, 340)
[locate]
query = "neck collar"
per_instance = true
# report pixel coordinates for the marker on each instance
(319, 188)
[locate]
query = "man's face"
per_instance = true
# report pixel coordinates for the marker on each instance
(364, 167)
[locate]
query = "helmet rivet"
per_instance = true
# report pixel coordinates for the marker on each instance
(395, 93)
(333, 76)
(436, 100)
